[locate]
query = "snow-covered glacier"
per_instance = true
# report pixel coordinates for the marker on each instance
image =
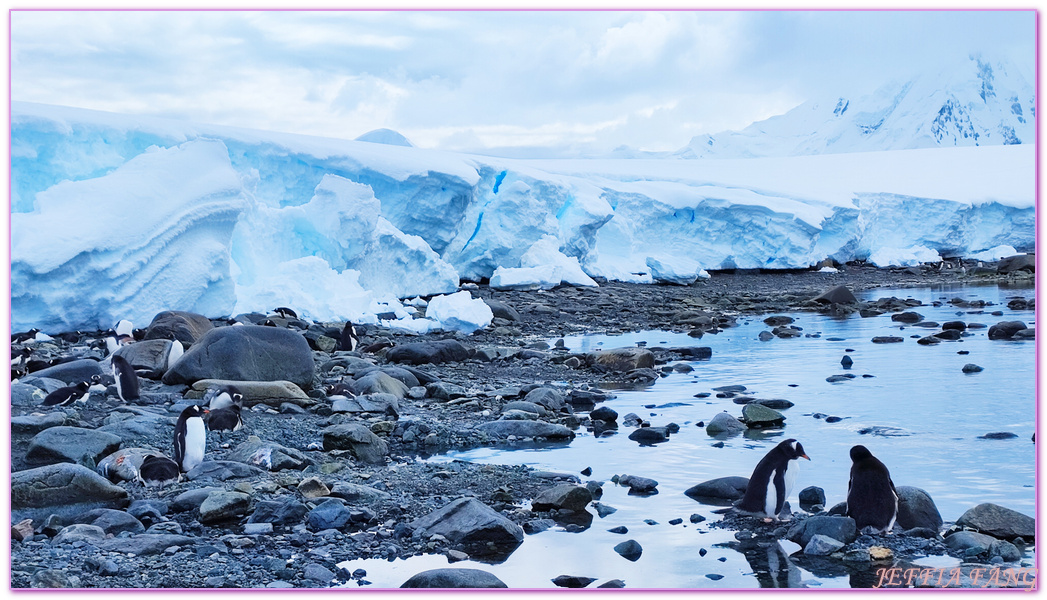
(117, 216)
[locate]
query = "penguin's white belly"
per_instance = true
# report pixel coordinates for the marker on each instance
(790, 477)
(195, 442)
(174, 353)
(772, 496)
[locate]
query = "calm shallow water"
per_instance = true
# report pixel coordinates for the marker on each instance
(919, 392)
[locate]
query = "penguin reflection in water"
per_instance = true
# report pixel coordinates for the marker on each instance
(872, 500)
(772, 481)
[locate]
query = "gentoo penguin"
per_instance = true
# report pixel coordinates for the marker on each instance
(771, 481)
(158, 471)
(126, 379)
(190, 438)
(114, 340)
(285, 312)
(21, 338)
(224, 397)
(872, 500)
(68, 395)
(225, 419)
(20, 362)
(349, 338)
(175, 352)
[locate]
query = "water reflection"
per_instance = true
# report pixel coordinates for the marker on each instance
(769, 562)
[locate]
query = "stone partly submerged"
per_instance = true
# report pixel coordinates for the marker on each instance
(454, 578)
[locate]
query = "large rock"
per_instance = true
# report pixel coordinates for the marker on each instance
(361, 494)
(247, 353)
(722, 488)
(186, 327)
(289, 512)
(139, 429)
(111, 520)
(822, 545)
(70, 444)
(917, 509)
(758, 416)
(621, 360)
(469, 522)
(724, 423)
(373, 403)
(998, 521)
(222, 470)
(963, 540)
(567, 497)
(1006, 330)
(329, 514)
(147, 357)
(270, 456)
(33, 424)
(224, 506)
(526, 429)
(378, 382)
(550, 398)
(144, 543)
(501, 310)
(454, 578)
(72, 372)
(842, 529)
(269, 393)
(838, 295)
(63, 489)
(1018, 262)
(364, 445)
(429, 352)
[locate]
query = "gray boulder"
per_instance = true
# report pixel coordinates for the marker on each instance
(629, 550)
(33, 424)
(724, 423)
(147, 357)
(222, 470)
(429, 352)
(372, 403)
(186, 327)
(70, 444)
(502, 310)
(621, 360)
(837, 295)
(192, 499)
(247, 353)
(469, 522)
(329, 514)
(362, 494)
(563, 497)
(270, 456)
(79, 532)
(998, 521)
(917, 509)
(1018, 262)
(822, 545)
(522, 429)
(722, 488)
(364, 445)
(139, 430)
(1005, 330)
(965, 540)
(842, 529)
(289, 512)
(551, 398)
(379, 382)
(638, 485)
(454, 578)
(144, 543)
(224, 506)
(64, 489)
(111, 521)
(758, 416)
(72, 372)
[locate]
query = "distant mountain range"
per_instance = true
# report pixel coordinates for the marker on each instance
(977, 103)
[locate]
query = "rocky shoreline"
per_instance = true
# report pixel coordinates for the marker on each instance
(314, 480)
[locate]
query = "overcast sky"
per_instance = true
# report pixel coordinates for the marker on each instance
(588, 81)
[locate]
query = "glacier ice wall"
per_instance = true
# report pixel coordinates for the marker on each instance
(120, 217)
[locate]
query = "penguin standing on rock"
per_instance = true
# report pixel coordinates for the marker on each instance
(67, 395)
(158, 470)
(349, 338)
(872, 500)
(190, 438)
(126, 379)
(772, 481)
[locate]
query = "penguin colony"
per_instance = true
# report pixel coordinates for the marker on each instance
(872, 500)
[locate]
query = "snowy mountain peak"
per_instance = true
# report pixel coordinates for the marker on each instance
(974, 103)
